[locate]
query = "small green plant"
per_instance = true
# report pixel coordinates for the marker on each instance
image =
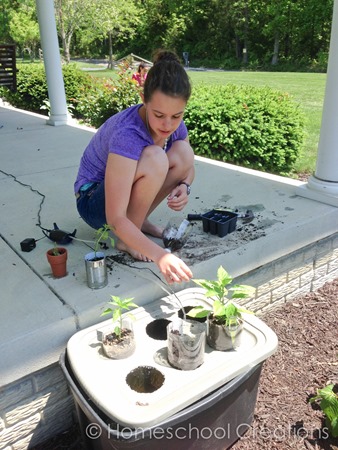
(56, 251)
(328, 402)
(47, 107)
(102, 235)
(223, 310)
(118, 305)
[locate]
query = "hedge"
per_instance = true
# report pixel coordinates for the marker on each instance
(259, 128)
(256, 127)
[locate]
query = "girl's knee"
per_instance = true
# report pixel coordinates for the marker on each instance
(154, 160)
(182, 153)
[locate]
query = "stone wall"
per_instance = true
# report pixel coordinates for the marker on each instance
(298, 273)
(35, 408)
(39, 406)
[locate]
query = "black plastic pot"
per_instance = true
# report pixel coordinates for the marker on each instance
(219, 222)
(214, 422)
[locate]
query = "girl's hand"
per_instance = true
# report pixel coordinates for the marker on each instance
(178, 198)
(174, 269)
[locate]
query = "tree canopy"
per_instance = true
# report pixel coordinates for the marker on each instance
(258, 34)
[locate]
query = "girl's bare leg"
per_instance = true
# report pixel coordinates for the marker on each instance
(181, 160)
(151, 173)
(157, 174)
(152, 229)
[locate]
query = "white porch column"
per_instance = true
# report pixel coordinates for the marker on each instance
(52, 62)
(323, 185)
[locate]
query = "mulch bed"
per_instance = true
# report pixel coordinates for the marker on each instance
(306, 359)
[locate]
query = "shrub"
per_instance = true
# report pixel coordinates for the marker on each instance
(108, 97)
(31, 88)
(320, 64)
(76, 84)
(32, 91)
(260, 128)
(93, 100)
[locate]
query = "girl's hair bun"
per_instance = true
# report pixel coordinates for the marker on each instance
(168, 76)
(165, 55)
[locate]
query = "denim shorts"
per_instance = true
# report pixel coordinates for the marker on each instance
(91, 205)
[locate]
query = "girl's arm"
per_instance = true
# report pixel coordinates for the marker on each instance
(119, 180)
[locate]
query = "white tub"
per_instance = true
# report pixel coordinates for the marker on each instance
(104, 380)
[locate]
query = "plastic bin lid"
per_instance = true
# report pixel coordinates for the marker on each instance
(105, 380)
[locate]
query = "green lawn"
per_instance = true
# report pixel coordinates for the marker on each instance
(307, 89)
(98, 70)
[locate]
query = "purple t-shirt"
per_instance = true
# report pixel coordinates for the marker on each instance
(124, 134)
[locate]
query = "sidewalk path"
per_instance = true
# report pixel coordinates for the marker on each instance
(38, 166)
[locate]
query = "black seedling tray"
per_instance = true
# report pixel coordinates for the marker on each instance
(219, 222)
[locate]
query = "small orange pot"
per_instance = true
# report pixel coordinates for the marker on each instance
(58, 263)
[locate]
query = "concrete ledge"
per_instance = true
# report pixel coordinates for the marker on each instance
(34, 323)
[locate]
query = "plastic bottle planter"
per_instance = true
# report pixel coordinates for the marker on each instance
(119, 347)
(219, 222)
(58, 263)
(96, 270)
(176, 233)
(224, 337)
(186, 344)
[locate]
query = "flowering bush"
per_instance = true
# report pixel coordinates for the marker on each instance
(107, 97)
(260, 128)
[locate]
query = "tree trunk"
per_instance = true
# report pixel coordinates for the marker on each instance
(110, 43)
(64, 40)
(274, 60)
(238, 47)
(245, 56)
(66, 48)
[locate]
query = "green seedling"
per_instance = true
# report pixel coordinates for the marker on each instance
(223, 309)
(328, 402)
(55, 250)
(118, 305)
(102, 235)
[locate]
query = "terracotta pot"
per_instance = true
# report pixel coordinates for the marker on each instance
(58, 263)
